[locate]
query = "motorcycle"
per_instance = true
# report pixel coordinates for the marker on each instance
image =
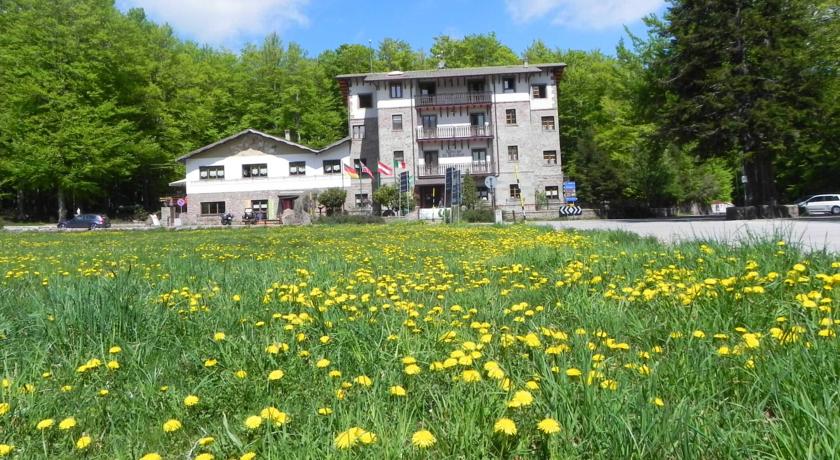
(227, 219)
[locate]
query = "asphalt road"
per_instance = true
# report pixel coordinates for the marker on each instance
(812, 234)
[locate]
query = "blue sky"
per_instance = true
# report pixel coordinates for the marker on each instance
(324, 24)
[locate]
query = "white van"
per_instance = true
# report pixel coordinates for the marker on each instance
(829, 204)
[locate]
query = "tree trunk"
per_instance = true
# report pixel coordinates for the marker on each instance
(21, 208)
(62, 207)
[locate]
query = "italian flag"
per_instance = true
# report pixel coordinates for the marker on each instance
(384, 169)
(399, 164)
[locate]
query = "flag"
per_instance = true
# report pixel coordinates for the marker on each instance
(399, 164)
(366, 170)
(352, 171)
(384, 169)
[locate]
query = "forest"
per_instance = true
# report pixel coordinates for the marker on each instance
(95, 103)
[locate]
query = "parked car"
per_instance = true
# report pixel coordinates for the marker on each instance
(829, 204)
(90, 221)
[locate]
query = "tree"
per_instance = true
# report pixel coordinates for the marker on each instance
(469, 192)
(333, 199)
(387, 196)
(735, 82)
(472, 51)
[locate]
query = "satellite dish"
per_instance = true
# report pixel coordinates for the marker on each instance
(490, 182)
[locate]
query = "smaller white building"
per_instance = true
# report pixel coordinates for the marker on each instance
(266, 174)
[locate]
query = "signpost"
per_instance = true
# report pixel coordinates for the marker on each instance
(569, 192)
(490, 182)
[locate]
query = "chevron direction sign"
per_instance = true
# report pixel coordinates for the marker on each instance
(570, 211)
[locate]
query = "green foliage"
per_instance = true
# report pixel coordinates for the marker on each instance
(478, 215)
(475, 50)
(387, 196)
(469, 192)
(341, 218)
(333, 199)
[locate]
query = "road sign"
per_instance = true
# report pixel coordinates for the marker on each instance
(456, 187)
(569, 191)
(181, 202)
(490, 181)
(404, 182)
(570, 211)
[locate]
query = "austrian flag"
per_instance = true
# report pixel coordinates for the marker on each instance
(384, 169)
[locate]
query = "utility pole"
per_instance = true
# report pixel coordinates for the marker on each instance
(370, 45)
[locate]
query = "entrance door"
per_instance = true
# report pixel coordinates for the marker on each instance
(430, 160)
(286, 203)
(477, 121)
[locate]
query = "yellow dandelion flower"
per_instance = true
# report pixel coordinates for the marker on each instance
(368, 437)
(505, 426)
(751, 340)
(191, 400)
(237, 297)
(45, 424)
(275, 415)
(172, 425)
(6, 449)
(67, 423)
(412, 369)
(211, 362)
(253, 422)
(113, 365)
(83, 442)
(573, 372)
(423, 439)
(276, 374)
(4, 408)
(471, 376)
(204, 456)
(325, 411)
(219, 336)
(322, 363)
(104, 392)
(248, 456)
(397, 390)
(206, 441)
(521, 398)
(114, 350)
(363, 380)
(548, 426)
(151, 456)
(240, 374)
(657, 401)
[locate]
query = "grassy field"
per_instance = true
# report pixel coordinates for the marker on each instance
(413, 341)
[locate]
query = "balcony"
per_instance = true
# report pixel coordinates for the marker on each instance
(440, 169)
(447, 100)
(448, 133)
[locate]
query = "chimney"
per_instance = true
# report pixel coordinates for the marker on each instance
(288, 135)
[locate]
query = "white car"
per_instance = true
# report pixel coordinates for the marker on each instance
(829, 204)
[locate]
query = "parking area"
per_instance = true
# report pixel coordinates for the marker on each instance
(812, 233)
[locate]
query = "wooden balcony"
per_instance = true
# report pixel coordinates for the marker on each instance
(447, 133)
(448, 100)
(440, 169)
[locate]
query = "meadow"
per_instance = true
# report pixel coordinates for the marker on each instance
(414, 341)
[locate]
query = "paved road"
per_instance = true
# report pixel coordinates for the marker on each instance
(812, 234)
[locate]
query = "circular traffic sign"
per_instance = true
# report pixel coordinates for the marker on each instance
(180, 202)
(490, 181)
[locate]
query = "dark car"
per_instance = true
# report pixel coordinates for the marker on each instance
(90, 221)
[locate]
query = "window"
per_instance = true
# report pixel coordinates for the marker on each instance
(552, 192)
(259, 206)
(548, 123)
(332, 166)
(211, 172)
(212, 207)
(396, 90)
(256, 170)
(399, 159)
(479, 157)
(358, 131)
(513, 153)
(429, 121)
(514, 191)
(508, 84)
(538, 91)
(297, 168)
(362, 200)
(396, 122)
(427, 88)
(475, 86)
(550, 157)
(365, 101)
(483, 193)
(478, 119)
(510, 116)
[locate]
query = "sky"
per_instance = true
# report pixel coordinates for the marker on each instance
(318, 25)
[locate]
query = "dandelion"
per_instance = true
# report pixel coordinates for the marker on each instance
(206, 441)
(505, 426)
(423, 439)
(67, 423)
(412, 369)
(548, 426)
(397, 390)
(272, 413)
(191, 400)
(219, 337)
(253, 422)
(104, 392)
(114, 350)
(4, 408)
(240, 374)
(248, 456)
(322, 363)
(204, 456)
(363, 380)
(237, 297)
(172, 425)
(658, 402)
(276, 374)
(151, 456)
(83, 442)
(6, 449)
(521, 399)
(471, 376)
(325, 411)
(210, 362)
(45, 424)
(573, 372)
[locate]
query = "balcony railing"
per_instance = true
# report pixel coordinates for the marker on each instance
(455, 132)
(437, 100)
(440, 169)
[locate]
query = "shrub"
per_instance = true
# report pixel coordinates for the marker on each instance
(348, 219)
(333, 199)
(478, 215)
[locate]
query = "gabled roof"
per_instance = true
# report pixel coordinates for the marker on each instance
(461, 72)
(262, 134)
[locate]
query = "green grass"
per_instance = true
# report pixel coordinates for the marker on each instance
(382, 293)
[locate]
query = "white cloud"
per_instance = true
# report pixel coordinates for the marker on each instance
(223, 22)
(583, 14)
